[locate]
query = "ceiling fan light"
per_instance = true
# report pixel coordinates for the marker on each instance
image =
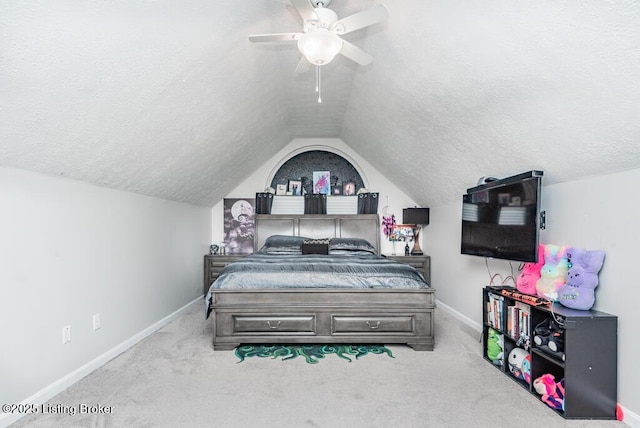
(320, 46)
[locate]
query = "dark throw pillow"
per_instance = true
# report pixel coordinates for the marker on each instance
(315, 246)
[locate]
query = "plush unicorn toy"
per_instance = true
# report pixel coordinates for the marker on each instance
(553, 273)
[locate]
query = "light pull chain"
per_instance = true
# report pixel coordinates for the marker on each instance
(319, 83)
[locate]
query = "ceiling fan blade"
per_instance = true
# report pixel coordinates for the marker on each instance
(359, 20)
(277, 37)
(303, 66)
(356, 54)
(305, 9)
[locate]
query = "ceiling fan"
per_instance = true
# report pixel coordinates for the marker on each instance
(320, 41)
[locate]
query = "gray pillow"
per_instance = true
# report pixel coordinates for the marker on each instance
(342, 245)
(283, 244)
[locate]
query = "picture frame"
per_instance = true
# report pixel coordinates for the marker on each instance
(402, 232)
(336, 190)
(349, 188)
(239, 226)
(295, 187)
(321, 182)
(504, 199)
(281, 189)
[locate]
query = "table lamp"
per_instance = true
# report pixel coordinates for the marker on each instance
(416, 217)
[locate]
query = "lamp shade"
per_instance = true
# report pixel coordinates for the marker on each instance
(418, 216)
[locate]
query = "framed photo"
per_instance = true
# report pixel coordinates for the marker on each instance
(402, 232)
(239, 220)
(349, 188)
(281, 189)
(295, 187)
(504, 199)
(321, 184)
(336, 190)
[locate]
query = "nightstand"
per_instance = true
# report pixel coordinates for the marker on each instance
(213, 265)
(421, 263)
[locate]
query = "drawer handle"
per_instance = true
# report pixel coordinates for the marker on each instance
(373, 327)
(273, 327)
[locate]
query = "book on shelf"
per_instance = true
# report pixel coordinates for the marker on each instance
(495, 309)
(512, 321)
(524, 314)
(489, 310)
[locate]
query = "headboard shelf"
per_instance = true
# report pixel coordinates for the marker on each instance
(366, 226)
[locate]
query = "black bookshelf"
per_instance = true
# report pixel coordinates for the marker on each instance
(588, 362)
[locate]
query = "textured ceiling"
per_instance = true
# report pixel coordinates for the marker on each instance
(169, 98)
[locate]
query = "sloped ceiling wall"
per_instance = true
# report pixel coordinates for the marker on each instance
(170, 99)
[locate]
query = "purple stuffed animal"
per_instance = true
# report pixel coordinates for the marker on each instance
(526, 282)
(582, 278)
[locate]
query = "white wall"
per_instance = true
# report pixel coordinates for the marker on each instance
(69, 250)
(599, 213)
(375, 181)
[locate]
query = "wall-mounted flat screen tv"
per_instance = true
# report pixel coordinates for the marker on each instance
(500, 219)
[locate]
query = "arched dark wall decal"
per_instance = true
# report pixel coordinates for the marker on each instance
(302, 165)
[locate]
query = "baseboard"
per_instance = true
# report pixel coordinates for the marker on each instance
(630, 418)
(65, 382)
(463, 318)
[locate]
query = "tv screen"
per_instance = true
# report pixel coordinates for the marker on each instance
(500, 218)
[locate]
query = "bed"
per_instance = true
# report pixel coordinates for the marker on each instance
(375, 307)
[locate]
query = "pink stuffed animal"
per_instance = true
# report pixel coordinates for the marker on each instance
(552, 392)
(553, 273)
(526, 282)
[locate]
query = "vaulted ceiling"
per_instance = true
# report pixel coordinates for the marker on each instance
(169, 98)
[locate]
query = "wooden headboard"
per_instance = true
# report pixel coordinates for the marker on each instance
(365, 226)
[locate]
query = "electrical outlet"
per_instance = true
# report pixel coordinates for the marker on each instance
(96, 322)
(66, 334)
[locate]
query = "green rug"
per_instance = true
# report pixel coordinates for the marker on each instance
(311, 353)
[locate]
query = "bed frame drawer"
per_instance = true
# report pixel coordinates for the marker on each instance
(372, 324)
(274, 324)
(298, 316)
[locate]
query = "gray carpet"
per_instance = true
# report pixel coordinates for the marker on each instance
(174, 378)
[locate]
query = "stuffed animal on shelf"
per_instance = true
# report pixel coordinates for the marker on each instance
(541, 333)
(556, 341)
(526, 369)
(553, 273)
(520, 364)
(530, 274)
(552, 393)
(495, 347)
(582, 279)
(549, 333)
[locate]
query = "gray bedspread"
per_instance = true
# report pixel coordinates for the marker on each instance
(316, 271)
